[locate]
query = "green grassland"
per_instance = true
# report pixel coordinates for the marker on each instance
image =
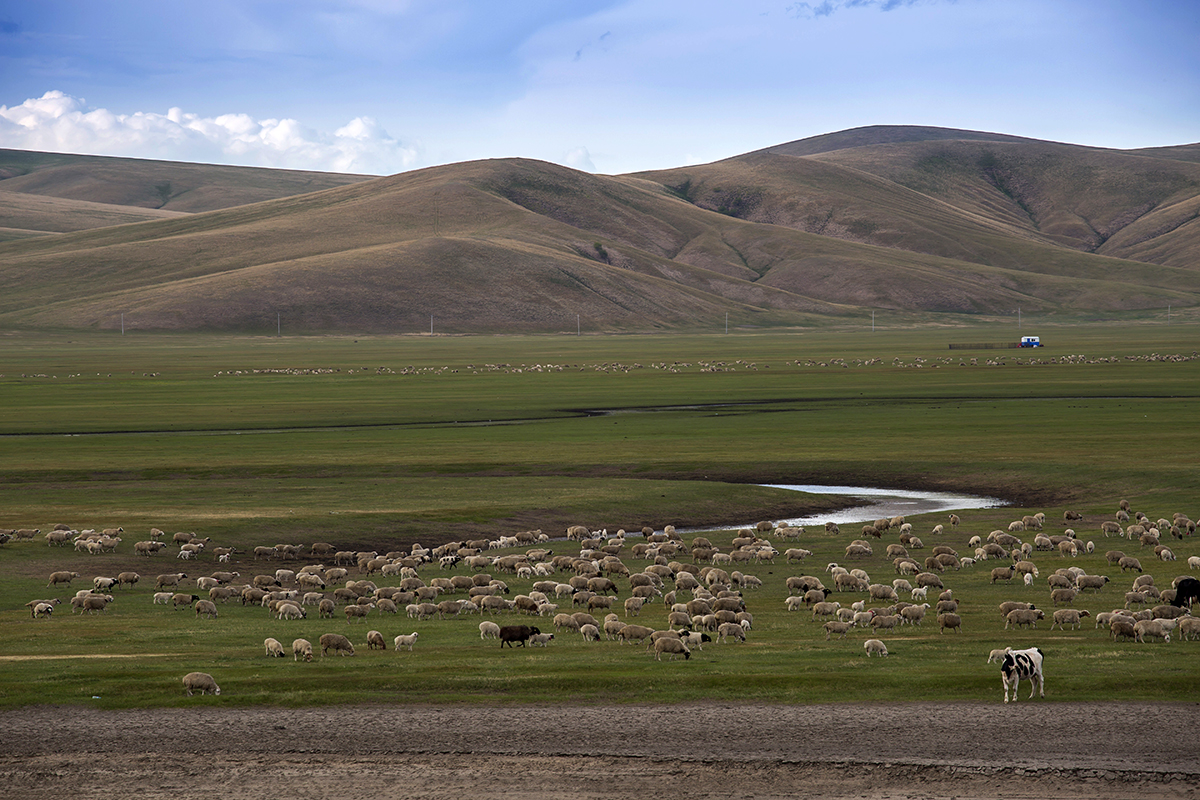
(373, 443)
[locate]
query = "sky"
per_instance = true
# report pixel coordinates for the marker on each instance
(607, 86)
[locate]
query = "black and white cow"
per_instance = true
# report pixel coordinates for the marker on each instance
(1018, 664)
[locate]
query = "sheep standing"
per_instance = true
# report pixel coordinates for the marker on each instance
(407, 640)
(200, 682)
(302, 647)
(671, 646)
(875, 646)
(336, 642)
(1068, 616)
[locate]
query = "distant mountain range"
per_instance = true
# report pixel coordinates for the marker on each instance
(921, 223)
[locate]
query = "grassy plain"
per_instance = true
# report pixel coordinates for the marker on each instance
(377, 442)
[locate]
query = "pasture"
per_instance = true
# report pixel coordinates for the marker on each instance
(374, 443)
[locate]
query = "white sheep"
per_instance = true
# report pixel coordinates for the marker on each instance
(544, 639)
(727, 630)
(489, 630)
(996, 656)
(1152, 628)
(408, 640)
(671, 646)
(875, 646)
(200, 682)
(302, 647)
(273, 647)
(590, 633)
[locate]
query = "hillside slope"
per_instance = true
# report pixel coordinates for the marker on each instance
(918, 221)
(39, 192)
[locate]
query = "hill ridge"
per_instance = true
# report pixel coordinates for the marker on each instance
(917, 220)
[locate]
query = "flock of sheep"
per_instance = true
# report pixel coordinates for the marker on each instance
(702, 590)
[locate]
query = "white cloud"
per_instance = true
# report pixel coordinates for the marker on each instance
(578, 158)
(57, 122)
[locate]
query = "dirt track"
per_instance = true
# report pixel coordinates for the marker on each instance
(918, 750)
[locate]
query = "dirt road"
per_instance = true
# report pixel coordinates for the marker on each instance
(879, 751)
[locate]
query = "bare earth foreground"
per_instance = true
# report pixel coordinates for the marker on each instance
(902, 750)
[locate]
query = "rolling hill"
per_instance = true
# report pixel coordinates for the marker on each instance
(927, 223)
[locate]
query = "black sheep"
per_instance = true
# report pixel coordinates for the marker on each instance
(516, 633)
(1187, 591)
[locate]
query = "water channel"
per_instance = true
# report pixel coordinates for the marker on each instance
(885, 503)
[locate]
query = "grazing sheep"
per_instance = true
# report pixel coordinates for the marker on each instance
(170, 579)
(489, 630)
(1068, 616)
(62, 577)
(1150, 627)
(515, 633)
(671, 646)
(731, 629)
(1023, 616)
(1189, 628)
(914, 614)
(101, 584)
(375, 641)
(834, 626)
(273, 647)
(356, 611)
(409, 639)
(1122, 626)
(1127, 563)
(951, 621)
(885, 621)
(1062, 596)
(825, 609)
(289, 610)
(1187, 592)
(337, 643)
(634, 633)
(206, 608)
(1091, 582)
(875, 646)
(590, 633)
(302, 647)
(200, 682)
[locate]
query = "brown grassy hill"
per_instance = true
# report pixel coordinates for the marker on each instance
(982, 198)
(26, 215)
(917, 225)
(171, 185)
(44, 193)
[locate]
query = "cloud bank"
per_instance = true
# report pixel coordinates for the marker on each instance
(57, 122)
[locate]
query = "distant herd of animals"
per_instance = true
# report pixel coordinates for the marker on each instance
(704, 599)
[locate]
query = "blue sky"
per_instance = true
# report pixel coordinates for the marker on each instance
(610, 86)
